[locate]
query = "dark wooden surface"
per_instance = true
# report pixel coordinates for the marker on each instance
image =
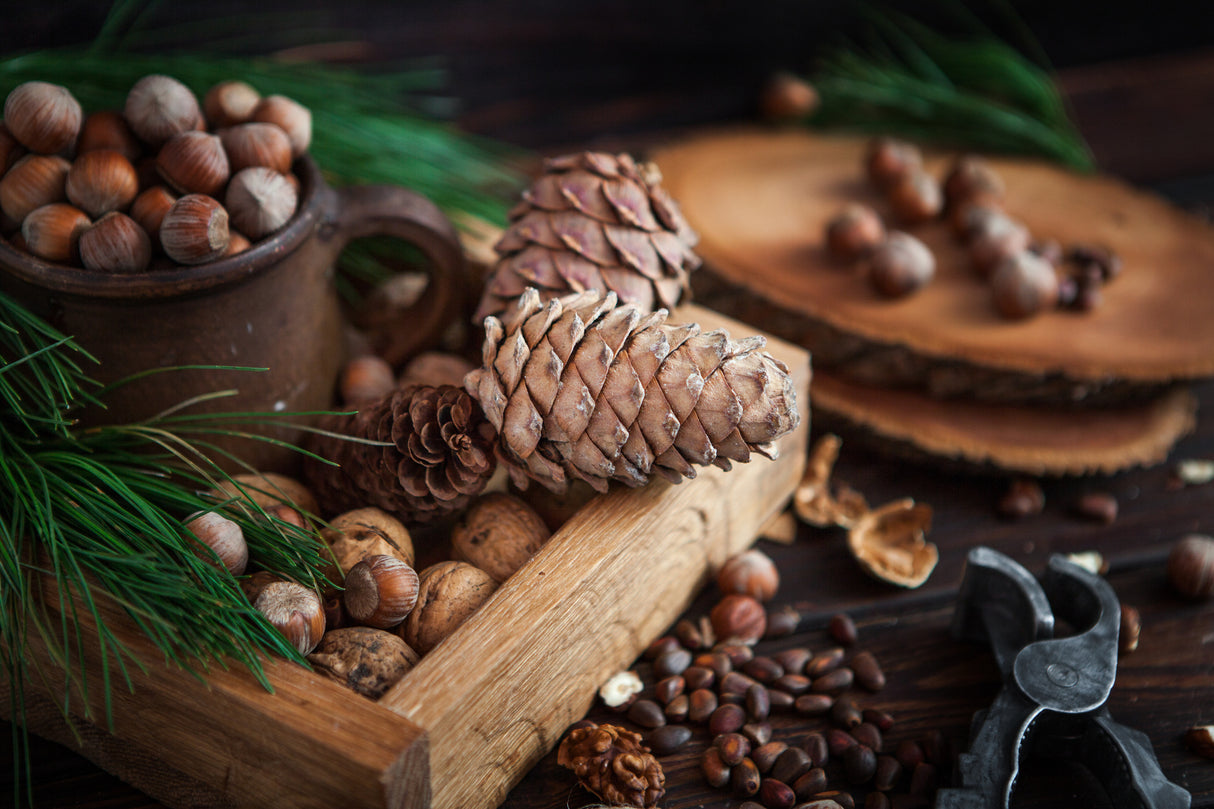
(1147, 122)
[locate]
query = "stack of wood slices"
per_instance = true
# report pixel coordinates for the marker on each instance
(1043, 322)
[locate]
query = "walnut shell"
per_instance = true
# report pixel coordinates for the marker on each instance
(888, 543)
(370, 661)
(498, 534)
(448, 594)
(363, 532)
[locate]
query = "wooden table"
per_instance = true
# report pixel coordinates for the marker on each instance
(1143, 125)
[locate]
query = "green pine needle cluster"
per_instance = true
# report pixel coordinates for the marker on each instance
(974, 92)
(96, 515)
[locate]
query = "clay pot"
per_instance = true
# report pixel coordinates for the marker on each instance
(274, 306)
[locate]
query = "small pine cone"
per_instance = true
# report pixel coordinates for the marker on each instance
(440, 457)
(612, 763)
(579, 387)
(594, 221)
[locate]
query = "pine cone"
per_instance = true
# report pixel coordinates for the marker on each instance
(581, 388)
(440, 455)
(612, 763)
(594, 221)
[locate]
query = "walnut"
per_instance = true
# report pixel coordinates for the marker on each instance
(498, 534)
(612, 763)
(820, 502)
(364, 532)
(370, 661)
(448, 594)
(888, 543)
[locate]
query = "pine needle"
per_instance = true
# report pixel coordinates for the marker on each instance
(975, 92)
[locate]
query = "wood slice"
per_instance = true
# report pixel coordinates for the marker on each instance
(761, 199)
(999, 437)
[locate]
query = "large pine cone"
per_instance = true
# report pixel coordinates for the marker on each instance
(594, 221)
(440, 455)
(579, 387)
(612, 763)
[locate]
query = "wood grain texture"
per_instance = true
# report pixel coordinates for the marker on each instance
(469, 721)
(761, 199)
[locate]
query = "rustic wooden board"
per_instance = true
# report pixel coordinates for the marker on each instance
(478, 712)
(760, 200)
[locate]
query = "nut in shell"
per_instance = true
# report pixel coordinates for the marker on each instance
(889, 543)
(295, 611)
(194, 163)
(45, 118)
(448, 594)
(115, 244)
(53, 231)
(195, 230)
(108, 130)
(260, 201)
(255, 144)
(159, 107)
(149, 209)
(498, 534)
(380, 591)
(751, 573)
(267, 489)
(34, 181)
(224, 537)
(292, 117)
(101, 181)
(367, 660)
(1191, 567)
(229, 103)
(364, 532)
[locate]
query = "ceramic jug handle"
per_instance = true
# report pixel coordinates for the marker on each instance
(389, 210)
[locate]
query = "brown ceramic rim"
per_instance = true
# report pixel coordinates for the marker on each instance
(181, 280)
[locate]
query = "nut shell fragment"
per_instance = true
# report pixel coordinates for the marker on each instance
(818, 502)
(889, 543)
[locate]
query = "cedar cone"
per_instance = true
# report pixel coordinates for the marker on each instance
(440, 455)
(612, 763)
(579, 387)
(593, 221)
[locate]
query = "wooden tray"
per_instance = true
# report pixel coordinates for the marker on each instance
(481, 709)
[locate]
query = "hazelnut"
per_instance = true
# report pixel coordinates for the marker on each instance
(290, 116)
(295, 611)
(1130, 630)
(229, 103)
(739, 618)
(971, 177)
(108, 130)
(436, 368)
(149, 209)
(786, 97)
(253, 584)
(10, 149)
(101, 181)
(890, 160)
(237, 243)
(116, 244)
(974, 216)
(448, 594)
(195, 230)
(159, 107)
(35, 180)
(256, 144)
(621, 689)
(749, 573)
(260, 201)
(916, 197)
(44, 118)
(1024, 285)
(268, 489)
(222, 536)
(194, 163)
(854, 231)
(1191, 566)
(367, 660)
(901, 265)
(380, 591)
(498, 534)
(366, 379)
(53, 231)
(1000, 238)
(363, 532)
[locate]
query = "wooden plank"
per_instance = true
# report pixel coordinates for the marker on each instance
(496, 695)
